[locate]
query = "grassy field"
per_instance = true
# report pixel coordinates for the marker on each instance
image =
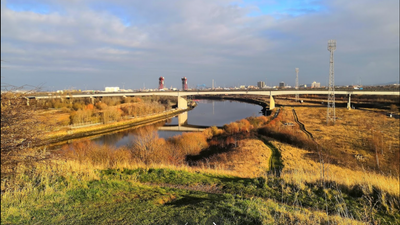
(233, 176)
(166, 196)
(367, 133)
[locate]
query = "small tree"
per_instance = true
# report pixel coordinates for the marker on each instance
(20, 129)
(145, 146)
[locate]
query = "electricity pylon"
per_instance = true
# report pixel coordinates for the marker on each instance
(330, 115)
(297, 84)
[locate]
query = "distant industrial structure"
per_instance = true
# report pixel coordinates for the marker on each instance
(111, 89)
(161, 83)
(261, 84)
(282, 85)
(315, 85)
(184, 84)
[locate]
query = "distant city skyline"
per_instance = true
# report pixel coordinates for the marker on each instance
(93, 44)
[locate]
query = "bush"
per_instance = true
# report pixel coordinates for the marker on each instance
(81, 116)
(86, 151)
(77, 106)
(101, 105)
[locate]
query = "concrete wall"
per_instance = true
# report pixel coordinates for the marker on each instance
(183, 118)
(182, 103)
(271, 102)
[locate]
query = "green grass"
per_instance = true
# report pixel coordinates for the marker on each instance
(337, 201)
(275, 161)
(123, 202)
(139, 197)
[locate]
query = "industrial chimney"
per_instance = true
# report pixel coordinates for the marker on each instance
(161, 83)
(184, 84)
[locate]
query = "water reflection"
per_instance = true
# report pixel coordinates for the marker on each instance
(219, 112)
(207, 113)
(126, 137)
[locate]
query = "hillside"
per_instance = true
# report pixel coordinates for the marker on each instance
(254, 171)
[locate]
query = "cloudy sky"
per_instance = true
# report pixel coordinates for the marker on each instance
(90, 44)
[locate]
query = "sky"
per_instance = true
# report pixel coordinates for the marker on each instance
(92, 44)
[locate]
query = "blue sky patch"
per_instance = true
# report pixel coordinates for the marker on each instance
(281, 8)
(20, 6)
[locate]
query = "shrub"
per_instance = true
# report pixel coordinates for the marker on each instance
(101, 105)
(81, 116)
(86, 151)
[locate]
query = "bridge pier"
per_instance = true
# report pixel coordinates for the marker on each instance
(27, 101)
(182, 103)
(182, 119)
(92, 99)
(271, 102)
(349, 103)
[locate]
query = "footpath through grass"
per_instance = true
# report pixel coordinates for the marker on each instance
(142, 196)
(275, 161)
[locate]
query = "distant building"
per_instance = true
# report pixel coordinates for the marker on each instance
(302, 85)
(261, 84)
(282, 85)
(125, 90)
(112, 89)
(315, 85)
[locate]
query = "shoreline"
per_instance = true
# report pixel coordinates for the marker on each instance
(65, 136)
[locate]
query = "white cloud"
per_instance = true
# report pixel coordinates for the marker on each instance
(205, 39)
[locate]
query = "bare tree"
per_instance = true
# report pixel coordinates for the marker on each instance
(146, 144)
(20, 129)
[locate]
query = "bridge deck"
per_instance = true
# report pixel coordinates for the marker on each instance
(186, 93)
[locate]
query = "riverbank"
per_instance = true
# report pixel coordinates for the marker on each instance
(112, 186)
(68, 134)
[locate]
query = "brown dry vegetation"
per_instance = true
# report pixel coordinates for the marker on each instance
(371, 134)
(108, 110)
(249, 159)
(299, 170)
(200, 149)
(236, 150)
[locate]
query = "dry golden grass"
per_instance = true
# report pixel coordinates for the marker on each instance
(302, 216)
(356, 132)
(249, 159)
(79, 174)
(75, 171)
(299, 169)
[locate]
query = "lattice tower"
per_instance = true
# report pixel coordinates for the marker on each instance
(330, 115)
(297, 84)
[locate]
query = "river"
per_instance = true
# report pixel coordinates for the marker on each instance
(206, 113)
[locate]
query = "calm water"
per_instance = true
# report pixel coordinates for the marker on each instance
(207, 113)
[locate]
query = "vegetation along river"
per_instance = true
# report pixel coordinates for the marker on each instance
(207, 113)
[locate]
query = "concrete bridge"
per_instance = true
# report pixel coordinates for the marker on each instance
(182, 103)
(181, 128)
(183, 125)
